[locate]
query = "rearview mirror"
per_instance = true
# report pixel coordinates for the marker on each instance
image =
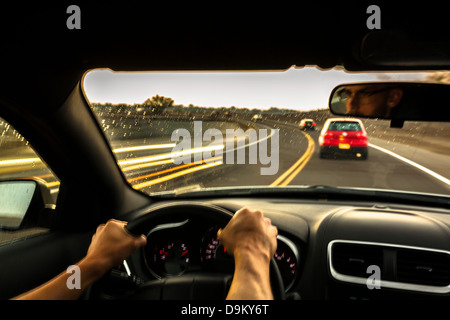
(24, 203)
(392, 100)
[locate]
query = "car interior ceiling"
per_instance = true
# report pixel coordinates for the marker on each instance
(46, 65)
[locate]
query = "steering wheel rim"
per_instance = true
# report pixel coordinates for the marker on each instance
(182, 210)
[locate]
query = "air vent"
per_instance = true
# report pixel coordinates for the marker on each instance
(402, 267)
(423, 267)
(353, 259)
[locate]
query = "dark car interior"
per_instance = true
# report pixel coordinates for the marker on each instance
(331, 236)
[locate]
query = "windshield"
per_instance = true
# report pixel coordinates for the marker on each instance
(195, 130)
(344, 126)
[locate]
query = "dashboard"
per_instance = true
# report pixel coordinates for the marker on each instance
(326, 249)
(190, 246)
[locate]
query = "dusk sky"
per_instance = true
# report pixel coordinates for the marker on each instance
(296, 88)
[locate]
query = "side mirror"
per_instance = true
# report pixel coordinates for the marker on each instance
(398, 101)
(24, 203)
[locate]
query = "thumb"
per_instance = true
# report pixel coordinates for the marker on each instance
(141, 241)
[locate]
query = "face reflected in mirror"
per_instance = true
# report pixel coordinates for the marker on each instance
(369, 100)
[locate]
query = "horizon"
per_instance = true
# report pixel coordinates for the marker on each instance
(300, 89)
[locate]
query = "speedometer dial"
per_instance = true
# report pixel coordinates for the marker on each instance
(171, 258)
(214, 254)
(168, 250)
(287, 260)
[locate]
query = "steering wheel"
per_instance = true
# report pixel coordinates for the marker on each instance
(197, 285)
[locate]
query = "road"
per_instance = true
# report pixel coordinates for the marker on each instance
(298, 163)
(149, 163)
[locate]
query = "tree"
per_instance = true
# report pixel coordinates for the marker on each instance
(158, 103)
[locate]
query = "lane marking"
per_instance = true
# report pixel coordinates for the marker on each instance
(173, 169)
(294, 170)
(169, 155)
(176, 174)
(52, 184)
(150, 161)
(189, 151)
(146, 165)
(22, 161)
(145, 147)
(412, 163)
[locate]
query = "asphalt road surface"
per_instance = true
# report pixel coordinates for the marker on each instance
(286, 156)
(389, 166)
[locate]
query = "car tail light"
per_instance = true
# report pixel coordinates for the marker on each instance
(361, 135)
(325, 138)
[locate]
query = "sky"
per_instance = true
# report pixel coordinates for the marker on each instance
(295, 88)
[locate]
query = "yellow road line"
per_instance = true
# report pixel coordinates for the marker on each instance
(146, 165)
(52, 184)
(294, 170)
(145, 147)
(22, 161)
(170, 155)
(20, 167)
(174, 169)
(176, 174)
(42, 178)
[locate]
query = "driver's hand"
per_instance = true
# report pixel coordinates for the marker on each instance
(111, 244)
(250, 231)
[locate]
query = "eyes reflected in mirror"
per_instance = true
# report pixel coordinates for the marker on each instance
(399, 101)
(366, 100)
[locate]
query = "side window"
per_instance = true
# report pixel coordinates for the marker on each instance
(18, 161)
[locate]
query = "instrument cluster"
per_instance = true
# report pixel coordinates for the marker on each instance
(177, 248)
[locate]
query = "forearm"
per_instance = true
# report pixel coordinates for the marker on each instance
(251, 279)
(58, 289)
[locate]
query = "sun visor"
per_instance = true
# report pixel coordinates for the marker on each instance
(398, 49)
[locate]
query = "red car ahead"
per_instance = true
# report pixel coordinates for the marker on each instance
(342, 136)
